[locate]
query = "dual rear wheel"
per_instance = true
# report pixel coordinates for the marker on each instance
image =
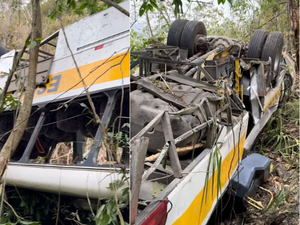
(184, 34)
(264, 46)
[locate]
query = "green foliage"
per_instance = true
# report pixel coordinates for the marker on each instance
(291, 111)
(79, 7)
(278, 139)
(30, 205)
(224, 1)
(35, 208)
(137, 43)
(150, 5)
(238, 22)
(107, 213)
(10, 102)
(21, 222)
(120, 138)
(214, 166)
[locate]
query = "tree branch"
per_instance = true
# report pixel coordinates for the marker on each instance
(96, 117)
(121, 9)
(11, 73)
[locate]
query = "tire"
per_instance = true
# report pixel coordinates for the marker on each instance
(65, 120)
(189, 33)
(256, 45)
(273, 48)
(54, 133)
(175, 32)
(2, 50)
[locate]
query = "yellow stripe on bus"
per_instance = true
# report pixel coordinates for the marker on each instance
(274, 100)
(69, 79)
(192, 214)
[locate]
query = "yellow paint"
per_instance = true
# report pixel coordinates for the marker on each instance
(273, 100)
(192, 214)
(211, 56)
(238, 75)
(223, 53)
(70, 78)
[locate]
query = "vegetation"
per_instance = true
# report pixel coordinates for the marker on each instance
(238, 20)
(29, 207)
(280, 140)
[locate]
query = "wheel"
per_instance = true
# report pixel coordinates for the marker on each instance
(273, 48)
(67, 119)
(256, 45)
(54, 133)
(189, 34)
(2, 50)
(175, 32)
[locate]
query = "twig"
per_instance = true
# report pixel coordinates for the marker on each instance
(60, 157)
(19, 217)
(58, 202)
(96, 117)
(92, 71)
(121, 9)
(2, 197)
(11, 73)
(118, 209)
(87, 197)
(121, 103)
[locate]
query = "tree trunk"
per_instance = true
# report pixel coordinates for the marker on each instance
(15, 136)
(294, 21)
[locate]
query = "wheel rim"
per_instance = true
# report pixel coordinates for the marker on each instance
(276, 61)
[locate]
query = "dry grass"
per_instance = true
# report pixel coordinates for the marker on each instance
(63, 153)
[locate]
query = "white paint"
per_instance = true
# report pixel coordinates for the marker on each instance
(6, 63)
(93, 28)
(191, 185)
(67, 180)
(109, 28)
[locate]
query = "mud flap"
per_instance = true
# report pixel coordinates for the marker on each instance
(253, 171)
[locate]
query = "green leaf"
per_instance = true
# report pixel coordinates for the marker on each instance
(150, 7)
(90, 10)
(153, 3)
(126, 125)
(39, 39)
(142, 9)
(72, 5)
(105, 220)
(83, 105)
(90, 122)
(100, 211)
(52, 15)
(83, 6)
(60, 8)
(125, 191)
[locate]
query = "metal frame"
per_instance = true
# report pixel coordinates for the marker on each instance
(91, 160)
